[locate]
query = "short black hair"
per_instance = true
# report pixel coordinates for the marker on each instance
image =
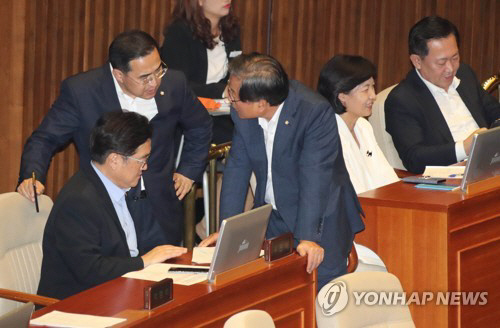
(430, 27)
(130, 45)
(341, 74)
(118, 132)
(262, 76)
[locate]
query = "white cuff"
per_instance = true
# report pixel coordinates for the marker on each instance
(460, 151)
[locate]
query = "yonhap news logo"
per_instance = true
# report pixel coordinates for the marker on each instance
(334, 297)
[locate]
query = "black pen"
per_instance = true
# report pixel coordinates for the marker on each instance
(33, 178)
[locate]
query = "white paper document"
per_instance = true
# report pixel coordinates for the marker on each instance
(203, 254)
(159, 271)
(444, 172)
(224, 108)
(64, 319)
(206, 254)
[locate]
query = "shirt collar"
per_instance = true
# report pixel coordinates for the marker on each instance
(274, 120)
(115, 193)
(434, 88)
(120, 92)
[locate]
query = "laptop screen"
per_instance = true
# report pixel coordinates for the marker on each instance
(240, 240)
(484, 157)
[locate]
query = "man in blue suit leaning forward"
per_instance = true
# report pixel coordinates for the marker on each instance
(287, 135)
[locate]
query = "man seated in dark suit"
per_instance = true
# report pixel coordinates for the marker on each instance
(90, 236)
(434, 112)
(287, 134)
(134, 79)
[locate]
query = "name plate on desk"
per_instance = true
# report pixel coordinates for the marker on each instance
(158, 293)
(278, 247)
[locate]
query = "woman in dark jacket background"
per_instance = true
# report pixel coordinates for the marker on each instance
(203, 36)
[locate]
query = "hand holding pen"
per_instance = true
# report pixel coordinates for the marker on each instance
(33, 178)
(26, 188)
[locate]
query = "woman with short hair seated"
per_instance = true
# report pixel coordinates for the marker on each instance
(348, 82)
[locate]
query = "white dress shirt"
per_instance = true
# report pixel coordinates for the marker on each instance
(269, 130)
(117, 196)
(367, 166)
(217, 62)
(145, 107)
(457, 116)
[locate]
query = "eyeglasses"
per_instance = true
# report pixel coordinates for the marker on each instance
(143, 162)
(156, 75)
(230, 97)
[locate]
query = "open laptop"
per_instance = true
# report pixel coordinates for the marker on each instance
(19, 317)
(484, 157)
(240, 240)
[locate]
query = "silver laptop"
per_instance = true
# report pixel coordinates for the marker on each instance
(240, 240)
(19, 317)
(484, 157)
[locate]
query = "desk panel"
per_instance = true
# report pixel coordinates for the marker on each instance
(438, 241)
(283, 288)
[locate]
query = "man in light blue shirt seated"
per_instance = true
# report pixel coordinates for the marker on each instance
(90, 236)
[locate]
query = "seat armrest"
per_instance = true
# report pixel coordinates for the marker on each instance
(25, 297)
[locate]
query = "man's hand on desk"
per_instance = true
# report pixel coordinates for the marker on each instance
(212, 239)
(26, 189)
(162, 253)
(182, 185)
(314, 254)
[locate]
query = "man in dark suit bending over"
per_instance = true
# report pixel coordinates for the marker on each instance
(287, 135)
(90, 236)
(136, 80)
(434, 112)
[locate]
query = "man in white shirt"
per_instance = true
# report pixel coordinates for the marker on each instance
(90, 236)
(434, 112)
(287, 135)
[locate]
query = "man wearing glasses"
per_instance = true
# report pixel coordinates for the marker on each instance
(287, 135)
(90, 236)
(134, 80)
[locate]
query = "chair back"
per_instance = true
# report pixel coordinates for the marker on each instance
(384, 139)
(491, 84)
(250, 319)
(361, 315)
(21, 233)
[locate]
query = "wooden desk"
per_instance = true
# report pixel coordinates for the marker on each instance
(283, 289)
(438, 241)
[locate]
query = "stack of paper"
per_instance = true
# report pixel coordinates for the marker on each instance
(64, 319)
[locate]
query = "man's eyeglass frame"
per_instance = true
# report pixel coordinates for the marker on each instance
(157, 75)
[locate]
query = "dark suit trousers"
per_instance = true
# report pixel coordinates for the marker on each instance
(326, 273)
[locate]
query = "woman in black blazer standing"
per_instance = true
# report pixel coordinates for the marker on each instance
(200, 41)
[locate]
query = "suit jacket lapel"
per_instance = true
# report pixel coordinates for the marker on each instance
(432, 112)
(286, 126)
(257, 153)
(109, 95)
(464, 93)
(102, 195)
(160, 95)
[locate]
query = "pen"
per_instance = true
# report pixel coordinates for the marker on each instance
(33, 179)
(459, 175)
